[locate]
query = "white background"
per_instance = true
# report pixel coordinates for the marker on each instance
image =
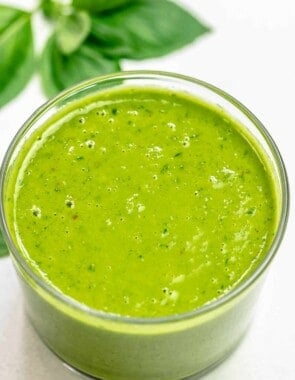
(250, 53)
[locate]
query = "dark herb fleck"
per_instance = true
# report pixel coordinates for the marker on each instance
(165, 169)
(178, 154)
(91, 268)
(69, 203)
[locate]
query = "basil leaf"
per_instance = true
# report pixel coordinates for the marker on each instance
(145, 29)
(59, 71)
(99, 6)
(16, 52)
(72, 30)
(48, 79)
(3, 248)
(50, 9)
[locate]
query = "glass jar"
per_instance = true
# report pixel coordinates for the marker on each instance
(114, 347)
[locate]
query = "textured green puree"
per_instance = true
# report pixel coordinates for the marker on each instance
(142, 202)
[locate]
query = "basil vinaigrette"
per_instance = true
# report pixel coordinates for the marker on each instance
(142, 202)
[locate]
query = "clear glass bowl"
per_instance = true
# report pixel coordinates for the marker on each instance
(113, 347)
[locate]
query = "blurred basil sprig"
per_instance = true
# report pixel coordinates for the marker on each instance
(89, 38)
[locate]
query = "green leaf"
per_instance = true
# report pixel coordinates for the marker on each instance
(72, 30)
(49, 86)
(50, 8)
(53, 9)
(59, 71)
(3, 248)
(145, 29)
(16, 52)
(101, 5)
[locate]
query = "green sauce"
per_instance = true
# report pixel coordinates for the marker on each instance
(142, 202)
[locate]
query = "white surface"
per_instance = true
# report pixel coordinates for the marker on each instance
(249, 53)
